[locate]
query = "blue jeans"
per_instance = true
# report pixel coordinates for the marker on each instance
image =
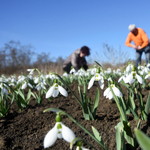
(139, 55)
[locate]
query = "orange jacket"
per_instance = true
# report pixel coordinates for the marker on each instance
(140, 39)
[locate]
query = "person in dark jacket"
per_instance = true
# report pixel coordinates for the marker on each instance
(77, 59)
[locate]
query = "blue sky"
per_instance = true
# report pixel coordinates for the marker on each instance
(59, 27)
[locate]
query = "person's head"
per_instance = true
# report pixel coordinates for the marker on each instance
(84, 51)
(132, 28)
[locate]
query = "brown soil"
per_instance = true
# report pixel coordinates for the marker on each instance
(26, 130)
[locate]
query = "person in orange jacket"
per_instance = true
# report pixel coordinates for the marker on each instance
(141, 41)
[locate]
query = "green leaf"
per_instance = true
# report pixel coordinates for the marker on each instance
(96, 102)
(124, 127)
(134, 114)
(28, 96)
(81, 96)
(128, 134)
(90, 114)
(120, 141)
(147, 106)
(97, 135)
(143, 139)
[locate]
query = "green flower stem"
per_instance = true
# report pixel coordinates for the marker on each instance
(123, 115)
(141, 97)
(63, 113)
(141, 104)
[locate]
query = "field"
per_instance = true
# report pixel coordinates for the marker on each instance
(26, 129)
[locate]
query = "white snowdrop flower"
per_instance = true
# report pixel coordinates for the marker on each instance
(30, 76)
(5, 91)
(123, 76)
(147, 76)
(97, 77)
(4, 88)
(129, 67)
(140, 67)
(143, 70)
(109, 94)
(36, 80)
(31, 71)
(72, 71)
(148, 65)
(81, 148)
(12, 84)
(108, 71)
(117, 72)
(81, 72)
(65, 74)
(21, 79)
(54, 91)
(58, 131)
(30, 85)
(40, 86)
(24, 86)
(92, 71)
(132, 76)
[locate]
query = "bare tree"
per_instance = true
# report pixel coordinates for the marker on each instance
(111, 56)
(14, 56)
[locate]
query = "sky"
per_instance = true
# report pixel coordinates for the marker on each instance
(59, 27)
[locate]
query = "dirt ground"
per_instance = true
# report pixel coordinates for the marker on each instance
(26, 130)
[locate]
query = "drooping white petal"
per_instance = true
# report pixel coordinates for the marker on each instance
(30, 85)
(42, 85)
(91, 82)
(129, 68)
(50, 137)
(109, 95)
(36, 80)
(38, 87)
(101, 84)
(106, 91)
(129, 79)
(139, 78)
(147, 76)
(67, 134)
(24, 86)
(62, 91)
(120, 78)
(55, 93)
(117, 92)
(5, 91)
(50, 92)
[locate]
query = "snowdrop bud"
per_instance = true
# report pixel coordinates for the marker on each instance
(79, 143)
(58, 118)
(98, 70)
(55, 81)
(133, 68)
(112, 82)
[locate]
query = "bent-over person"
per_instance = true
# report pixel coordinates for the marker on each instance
(77, 59)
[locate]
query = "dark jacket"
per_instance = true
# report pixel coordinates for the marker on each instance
(76, 61)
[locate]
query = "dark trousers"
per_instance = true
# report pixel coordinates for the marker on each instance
(146, 50)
